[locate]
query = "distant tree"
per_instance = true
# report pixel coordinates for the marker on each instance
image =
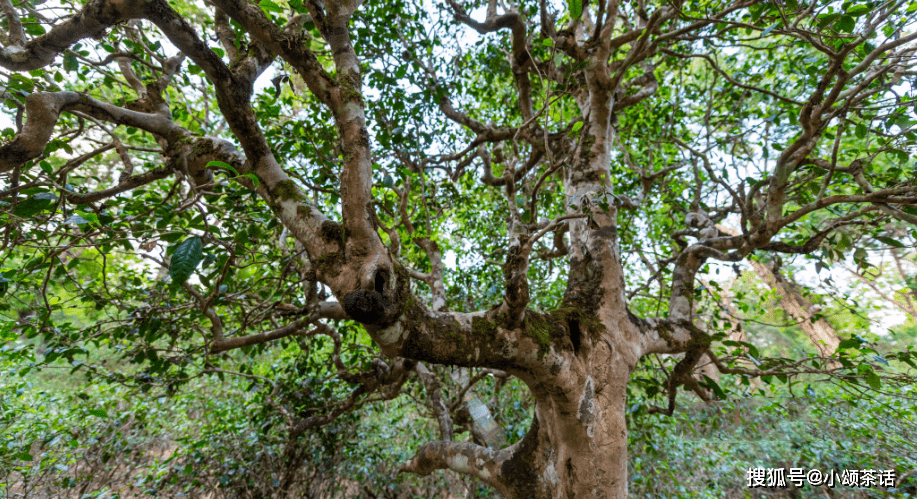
(540, 145)
(792, 301)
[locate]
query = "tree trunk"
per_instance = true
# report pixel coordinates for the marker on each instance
(823, 336)
(576, 360)
(576, 445)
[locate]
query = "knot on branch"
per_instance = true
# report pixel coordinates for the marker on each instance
(367, 307)
(379, 301)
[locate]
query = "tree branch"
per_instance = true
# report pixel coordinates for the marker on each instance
(91, 22)
(463, 457)
(17, 35)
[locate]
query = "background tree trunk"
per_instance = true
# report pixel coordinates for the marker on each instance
(790, 298)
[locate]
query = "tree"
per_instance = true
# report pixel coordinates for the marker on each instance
(822, 334)
(538, 143)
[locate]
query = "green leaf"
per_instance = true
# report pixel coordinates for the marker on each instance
(31, 206)
(34, 29)
(891, 242)
(711, 384)
(185, 259)
(849, 343)
(768, 30)
(547, 42)
(845, 24)
(98, 413)
(858, 10)
(824, 20)
(170, 238)
(76, 220)
(91, 217)
(576, 8)
(220, 164)
(71, 63)
(269, 6)
(253, 177)
(873, 380)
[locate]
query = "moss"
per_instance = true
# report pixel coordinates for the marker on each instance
(537, 327)
(568, 314)
(462, 349)
(349, 92)
(586, 147)
(199, 148)
(365, 307)
(303, 212)
(419, 345)
(328, 264)
(483, 326)
(286, 191)
(333, 232)
(543, 329)
(666, 334)
(455, 331)
(514, 263)
(584, 286)
(176, 146)
(518, 473)
(699, 341)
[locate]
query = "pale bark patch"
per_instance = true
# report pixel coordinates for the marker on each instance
(586, 412)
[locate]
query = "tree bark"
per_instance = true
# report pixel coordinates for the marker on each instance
(820, 332)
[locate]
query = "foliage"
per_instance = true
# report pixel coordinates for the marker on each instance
(825, 431)
(320, 227)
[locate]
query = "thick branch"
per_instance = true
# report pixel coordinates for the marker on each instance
(463, 457)
(43, 110)
(17, 35)
(520, 56)
(434, 395)
(289, 46)
(91, 22)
